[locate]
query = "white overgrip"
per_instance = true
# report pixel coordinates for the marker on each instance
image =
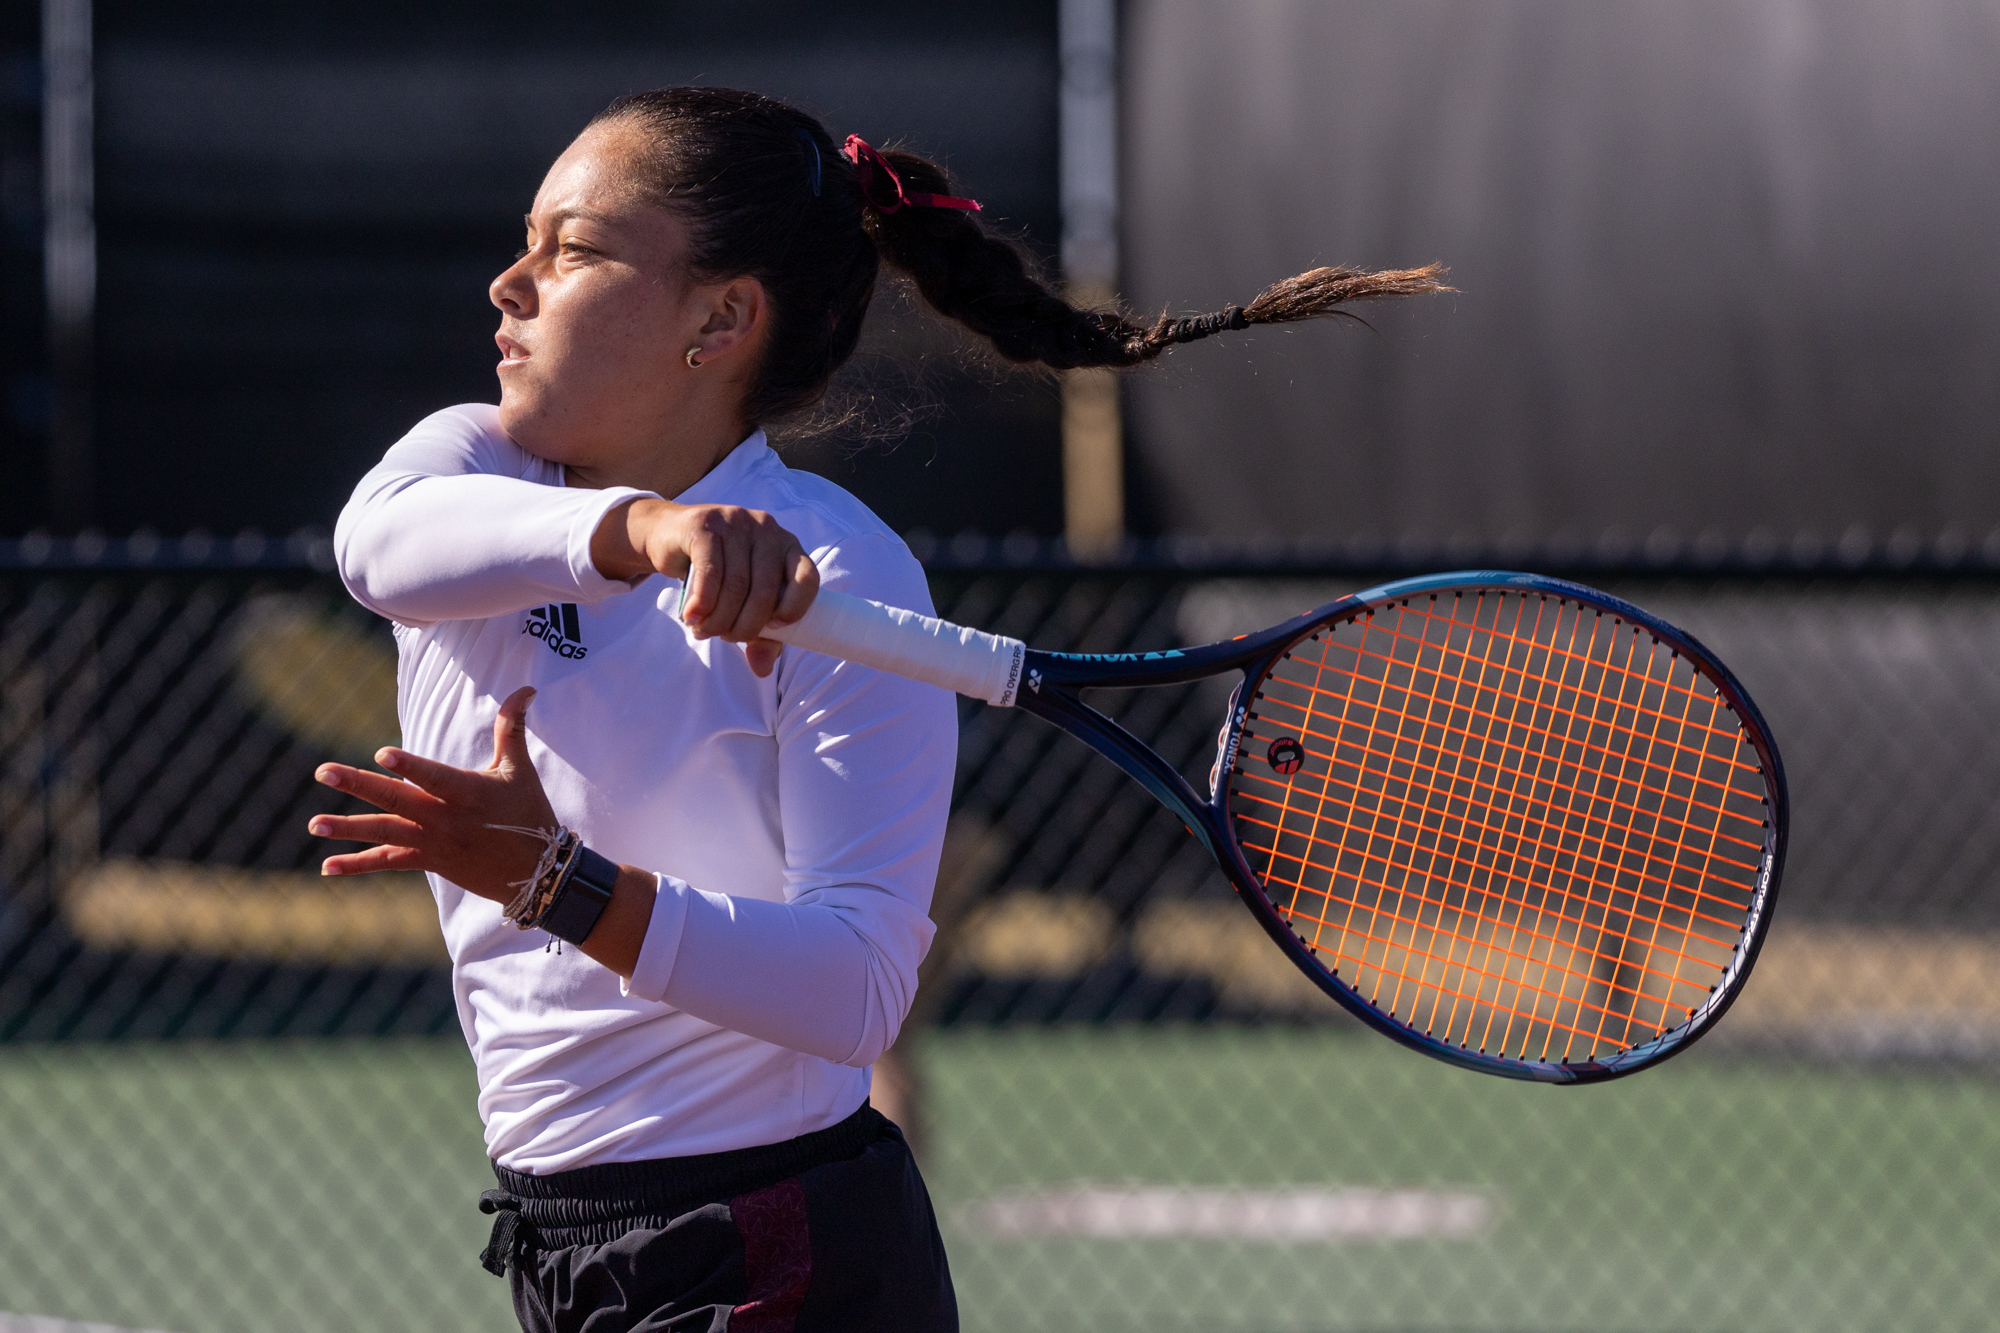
(937, 652)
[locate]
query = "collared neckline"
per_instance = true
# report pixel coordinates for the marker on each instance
(723, 482)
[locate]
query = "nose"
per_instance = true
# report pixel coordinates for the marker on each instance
(514, 290)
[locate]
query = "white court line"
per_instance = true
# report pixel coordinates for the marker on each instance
(35, 1323)
(1285, 1215)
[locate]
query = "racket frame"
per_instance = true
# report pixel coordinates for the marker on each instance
(1052, 691)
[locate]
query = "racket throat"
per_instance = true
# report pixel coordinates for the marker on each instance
(1062, 708)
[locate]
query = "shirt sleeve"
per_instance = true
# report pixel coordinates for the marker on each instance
(452, 525)
(865, 770)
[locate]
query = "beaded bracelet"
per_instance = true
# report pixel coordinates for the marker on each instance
(538, 891)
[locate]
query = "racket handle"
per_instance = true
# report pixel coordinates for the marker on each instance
(936, 652)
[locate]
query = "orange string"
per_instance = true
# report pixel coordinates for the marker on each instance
(1579, 687)
(1544, 734)
(1495, 872)
(1419, 800)
(1636, 630)
(1574, 717)
(1577, 852)
(1552, 940)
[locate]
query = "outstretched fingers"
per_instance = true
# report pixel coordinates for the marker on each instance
(454, 822)
(384, 793)
(368, 828)
(398, 829)
(372, 860)
(435, 779)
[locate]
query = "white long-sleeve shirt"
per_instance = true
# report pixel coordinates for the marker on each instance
(795, 821)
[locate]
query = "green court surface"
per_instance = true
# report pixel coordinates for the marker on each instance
(203, 1189)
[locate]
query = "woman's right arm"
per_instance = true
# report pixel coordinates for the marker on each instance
(446, 527)
(449, 527)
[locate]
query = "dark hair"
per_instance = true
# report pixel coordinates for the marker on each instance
(768, 196)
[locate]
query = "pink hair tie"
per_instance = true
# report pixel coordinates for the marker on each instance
(867, 163)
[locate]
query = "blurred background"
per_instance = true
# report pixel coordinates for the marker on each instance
(1726, 341)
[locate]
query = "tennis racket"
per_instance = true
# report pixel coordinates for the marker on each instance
(1512, 822)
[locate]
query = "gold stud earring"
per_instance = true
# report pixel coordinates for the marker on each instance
(692, 363)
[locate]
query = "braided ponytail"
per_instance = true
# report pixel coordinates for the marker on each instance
(768, 196)
(984, 283)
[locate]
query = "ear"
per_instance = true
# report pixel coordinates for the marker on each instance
(737, 314)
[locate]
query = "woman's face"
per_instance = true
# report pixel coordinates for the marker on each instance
(597, 314)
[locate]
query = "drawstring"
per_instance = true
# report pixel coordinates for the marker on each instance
(505, 1245)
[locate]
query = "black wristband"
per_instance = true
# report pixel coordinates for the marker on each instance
(581, 897)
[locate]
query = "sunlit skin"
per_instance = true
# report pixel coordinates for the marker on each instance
(597, 317)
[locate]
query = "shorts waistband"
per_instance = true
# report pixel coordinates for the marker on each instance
(594, 1205)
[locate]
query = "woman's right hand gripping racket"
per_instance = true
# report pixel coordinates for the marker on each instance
(1515, 823)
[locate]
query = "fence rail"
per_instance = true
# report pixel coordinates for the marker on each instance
(1614, 552)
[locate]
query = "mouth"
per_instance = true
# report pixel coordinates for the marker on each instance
(511, 352)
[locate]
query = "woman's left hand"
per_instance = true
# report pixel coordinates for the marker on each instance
(438, 818)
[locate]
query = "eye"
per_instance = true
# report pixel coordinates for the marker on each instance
(519, 255)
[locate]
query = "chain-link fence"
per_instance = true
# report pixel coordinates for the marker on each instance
(234, 1097)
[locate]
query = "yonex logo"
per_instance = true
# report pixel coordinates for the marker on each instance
(1226, 742)
(1120, 657)
(558, 627)
(1235, 739)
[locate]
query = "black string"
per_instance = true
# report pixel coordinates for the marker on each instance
(503, 1247)
(1201, 326)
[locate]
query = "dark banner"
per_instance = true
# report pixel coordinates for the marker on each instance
(1726, 272)
(298, 213)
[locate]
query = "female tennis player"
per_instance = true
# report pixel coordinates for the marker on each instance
(685, 893)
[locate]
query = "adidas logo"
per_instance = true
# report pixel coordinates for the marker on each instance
(557, 627)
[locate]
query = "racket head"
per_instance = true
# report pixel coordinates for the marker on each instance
(1513, 822)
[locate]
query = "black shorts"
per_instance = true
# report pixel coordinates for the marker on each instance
(828, 1231)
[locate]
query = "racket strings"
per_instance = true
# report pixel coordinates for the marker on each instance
(1559, 913)
(1498, 796)
(1569, 715)
(1518, 825)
